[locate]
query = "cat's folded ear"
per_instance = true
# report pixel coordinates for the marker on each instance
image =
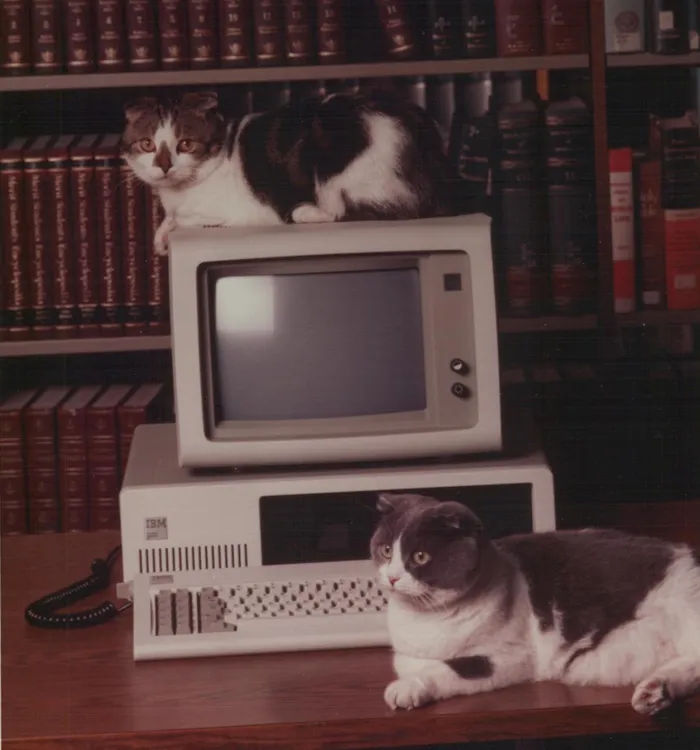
(200, 102)
(455, 516)
(387, 503)
(134, 109)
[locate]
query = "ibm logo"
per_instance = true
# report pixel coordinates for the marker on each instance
(156, 529)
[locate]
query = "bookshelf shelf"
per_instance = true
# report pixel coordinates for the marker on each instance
(289, 73)
(544, 324)
(648, 60)
(83, 346)
(659, 317)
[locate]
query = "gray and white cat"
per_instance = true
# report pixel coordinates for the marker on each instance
(347, 156)
(591, 607)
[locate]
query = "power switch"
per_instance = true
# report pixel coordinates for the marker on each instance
(459, 366)
(460, 390)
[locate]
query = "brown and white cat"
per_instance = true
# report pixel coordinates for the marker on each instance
(591, 607)
(339, 158)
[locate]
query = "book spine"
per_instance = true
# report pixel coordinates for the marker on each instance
(42, 474)
(158, 286)
(40, 265)
(622, 226)
(142, 50)
(442, 31)
(669, 27)
(202, 26)
(129, 418)
(47, 47)
(73, 471)
(133, 252)
(653, 252)
(111, 34)
(235, 33)
(565, 26)
(682, 240)
(518, 28)
(13, 480)
(15, 42)
(110, 279)
(268, 25)
(693, 25)
(625, 26)
(330, 25)
(479, 29)
(15, 293)
(299, 36)
(84, 205)
(172, 25)
(103, 469)
(396, 23)
(80, 45)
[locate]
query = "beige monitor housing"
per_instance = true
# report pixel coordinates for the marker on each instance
(460, 412)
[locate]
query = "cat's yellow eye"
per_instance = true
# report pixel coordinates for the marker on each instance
(147, 145)
(421, 558)
(385, 551)
(185, 146)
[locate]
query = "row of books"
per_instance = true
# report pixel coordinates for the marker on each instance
(77, 230)
(655, 217)
(83, 36)
(63, 454)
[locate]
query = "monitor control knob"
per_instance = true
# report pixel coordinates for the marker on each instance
(459, 366)
(460, 390)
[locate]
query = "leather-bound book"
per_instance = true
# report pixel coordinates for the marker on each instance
(16, 311)
(42, 461)
(299, 36)
(14, 506)
(47, 44)
(60, 236)
(41, 266)
(145, 405)
(440, 24)
(397, 25)
(203, 34)
(73, 458)
(669, 22)
(15, 38)
(478, 28)
(134, 250)
(174, 39)
(268, 30)
(142, 47)
(158, 283)
(565, 24)
(330, 31)
(625, 25)
(235, 33)
(110, 29)
(82, 168)
(518, 28)
(103, 457)
(652, 244)
(79, 36)
(108, 234)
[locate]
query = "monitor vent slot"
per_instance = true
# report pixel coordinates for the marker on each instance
(194, 557)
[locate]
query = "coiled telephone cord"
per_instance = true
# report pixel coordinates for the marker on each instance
(42, 613)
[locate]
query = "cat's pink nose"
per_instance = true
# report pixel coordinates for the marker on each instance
(392, 580)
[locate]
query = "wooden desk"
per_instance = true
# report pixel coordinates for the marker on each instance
(82, 690)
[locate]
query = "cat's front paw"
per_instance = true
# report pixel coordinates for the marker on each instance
(651, 696)
(308, 213)
(408, 693)
(160, 245)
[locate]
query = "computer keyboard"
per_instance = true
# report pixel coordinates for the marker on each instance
(252, 610)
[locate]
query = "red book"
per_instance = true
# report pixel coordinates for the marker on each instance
(42, 461)
(111, 35)
(332, 47)
(59, 237)
(80, 42)
(15, 38)
(653, 251)
(682, 241)
(133, 251)
(172, 27)
(108, 240)
(40, 265)
(235, 33)
(144, 405)
(268, 25)
(565, 24)
(202, 25)
(13, 477)
(47, 44)
(518, 28)
(73, 458)
(299, 33)
(103, 457)
(82, 167)
(15, 271)
(622, 225)
(158, 282)
(142, 49)
(395, 19)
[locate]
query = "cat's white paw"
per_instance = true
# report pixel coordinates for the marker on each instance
(160, 245)
(308, 213)
(651, 696)
(408, 693)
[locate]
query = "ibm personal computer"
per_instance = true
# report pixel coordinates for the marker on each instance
(315, 366)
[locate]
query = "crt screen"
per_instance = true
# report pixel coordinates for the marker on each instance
(318, 345)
